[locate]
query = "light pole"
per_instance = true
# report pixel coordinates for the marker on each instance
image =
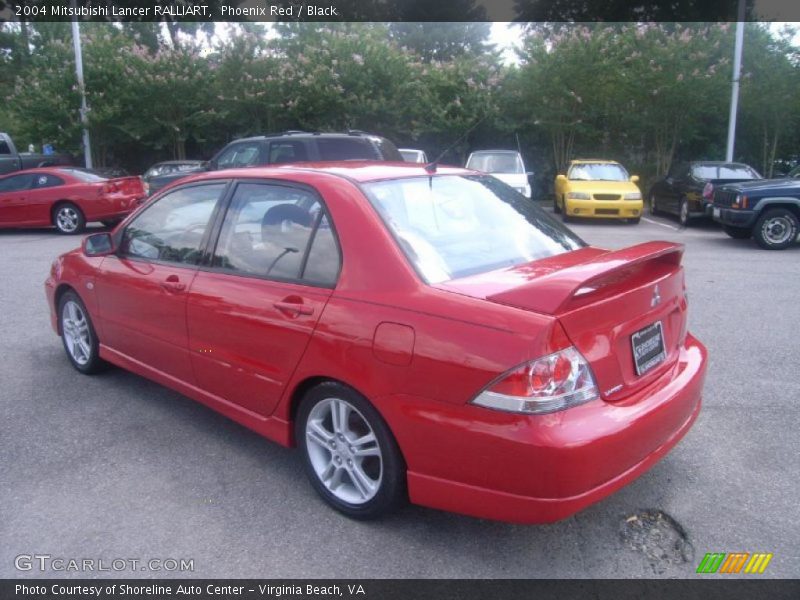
(737, 71)
(76, 43)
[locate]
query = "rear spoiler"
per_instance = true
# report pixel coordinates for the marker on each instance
(566, 288)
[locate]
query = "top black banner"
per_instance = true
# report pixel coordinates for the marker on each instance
(401, 10)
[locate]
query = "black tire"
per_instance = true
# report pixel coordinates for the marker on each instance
(391, 489)
(556, 207)
(683, 213)
(566, 218)
(737, 233)
(93, 363)
(68, 218)
(634, 221)
(654, 205)
(776, 229)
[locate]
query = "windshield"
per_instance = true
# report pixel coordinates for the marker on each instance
(496, 162)
(452, 226)
(86, 176)
(724, 172)
(598, 172)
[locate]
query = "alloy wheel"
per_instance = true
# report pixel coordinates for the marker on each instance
(344, 451)
(67, 219)
(77, 335)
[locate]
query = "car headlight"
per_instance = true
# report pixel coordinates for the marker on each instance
(633, 196)
(578, 195)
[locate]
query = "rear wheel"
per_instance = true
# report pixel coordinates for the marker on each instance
(683, 213)
(68, 218)
(776, 229)
(78, 335)
(737, 233)
(351, 456)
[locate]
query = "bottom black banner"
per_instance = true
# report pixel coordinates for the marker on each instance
(388, 589)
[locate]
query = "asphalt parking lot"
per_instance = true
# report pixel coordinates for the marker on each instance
(115, 466)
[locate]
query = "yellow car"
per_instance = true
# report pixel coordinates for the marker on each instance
(600, 189)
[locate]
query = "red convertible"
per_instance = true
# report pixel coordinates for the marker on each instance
(425, 335)
(65, 198)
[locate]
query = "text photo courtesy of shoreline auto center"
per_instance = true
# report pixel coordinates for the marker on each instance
(388, 299)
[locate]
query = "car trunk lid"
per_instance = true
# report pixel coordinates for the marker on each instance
(603, 300)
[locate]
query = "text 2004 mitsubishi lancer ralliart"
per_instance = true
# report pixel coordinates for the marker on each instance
(418, 334)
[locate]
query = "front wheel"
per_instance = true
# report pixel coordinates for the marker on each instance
(776, 229)
(78, 334)
(556, 207)
(654, 205)
(737, 233)
(634, 221)
(350, 455)
(68, 218)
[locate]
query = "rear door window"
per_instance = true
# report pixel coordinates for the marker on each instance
(347, 149)
(287, 151)
(278, 232)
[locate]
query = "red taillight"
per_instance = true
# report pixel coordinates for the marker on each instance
(708, 192)
(551, 383)
(110, 188)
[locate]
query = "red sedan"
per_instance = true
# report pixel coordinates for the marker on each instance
(432, 336)
(65, 198)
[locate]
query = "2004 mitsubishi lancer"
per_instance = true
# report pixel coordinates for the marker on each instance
(417, 332)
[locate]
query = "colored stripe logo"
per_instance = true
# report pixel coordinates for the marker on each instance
(735, 562)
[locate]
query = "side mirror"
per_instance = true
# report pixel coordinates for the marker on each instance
(209, 165)
(561, 178)
(98, 244)
(634, 179)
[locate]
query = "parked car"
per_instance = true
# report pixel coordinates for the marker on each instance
(414, 156)
(599, 189)
(505, 165)
(65, 198)
(414, 333)
(163, 173)
(767, 210)
(11, 160)
(689, 187)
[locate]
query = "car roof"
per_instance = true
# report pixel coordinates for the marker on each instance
(355, 133)
(360, 171)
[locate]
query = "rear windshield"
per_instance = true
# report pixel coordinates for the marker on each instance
(724, 172)
(86, 176)
(496, 162)
(452, 226)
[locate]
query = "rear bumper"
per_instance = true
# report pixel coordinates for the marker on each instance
(605, 209)
(735, 217)
(541, 469)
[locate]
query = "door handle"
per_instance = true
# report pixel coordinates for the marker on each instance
(294, 308)
(173, 284)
